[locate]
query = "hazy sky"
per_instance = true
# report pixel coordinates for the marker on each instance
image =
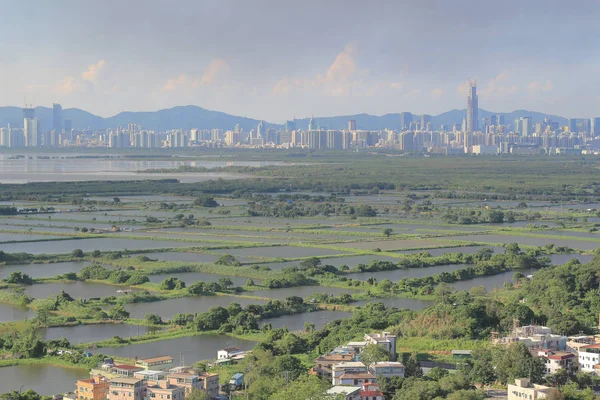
(274, 60)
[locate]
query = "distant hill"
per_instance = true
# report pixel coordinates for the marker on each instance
(188, 117)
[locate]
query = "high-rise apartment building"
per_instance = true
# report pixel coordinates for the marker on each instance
(426, 120)
(472, 108)
(352, 125)
(594, 127)
(57, 118)
(290, 125)
(406, 118)
(572, 125)
(32, 132)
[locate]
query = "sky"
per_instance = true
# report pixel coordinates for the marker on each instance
(276, 60)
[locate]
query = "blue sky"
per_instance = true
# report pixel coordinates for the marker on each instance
(274, 60)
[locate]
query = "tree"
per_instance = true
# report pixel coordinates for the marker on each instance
(387, 232)
(77, 253)
(226, 283)
(19, 278)
(153, 319)
(437, 373)
(116, 200)
(118, 312)
(172, 283)
(373, 353)
(413, 367)
(198, 394)
(312, 262)
(227, 260)
(483, 370)
(205, 201)
(196, 288)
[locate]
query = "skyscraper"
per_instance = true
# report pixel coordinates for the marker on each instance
(572, 125)
(57, 121)
(425, 120)
(29, 112)
(312, 124)
(472, 108)
(260, 130)
(595, 127)
(406, 119)
(290, 125)
(352, 125)
(32, 132)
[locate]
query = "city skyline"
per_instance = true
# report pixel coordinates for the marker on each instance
(213, 55)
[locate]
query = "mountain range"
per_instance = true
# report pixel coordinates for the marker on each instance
(188, 117)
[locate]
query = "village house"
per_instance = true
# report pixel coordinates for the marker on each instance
(161, 363)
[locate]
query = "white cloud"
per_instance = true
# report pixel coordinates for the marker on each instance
(437, 93)
(67, 85)
(212, 71)
(175, 83)
(340, 79)
(93, 71)
(538, 86)
(500, 86)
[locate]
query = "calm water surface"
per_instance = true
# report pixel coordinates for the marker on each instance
(94, 333)
(44, 379)
(193, 348)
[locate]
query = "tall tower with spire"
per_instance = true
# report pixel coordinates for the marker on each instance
(472, 107)
(312, 124)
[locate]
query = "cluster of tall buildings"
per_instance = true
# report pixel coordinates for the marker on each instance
(31, 133)
(488, 135)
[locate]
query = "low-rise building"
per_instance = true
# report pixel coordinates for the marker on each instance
(349, 392)
(160, 363)
(589, 356)
(163, 390)
(230, 353)
(387, 369)
(384, 339)
(127, 389)
(94, 388)
(355, 378)
(556, 360)
(125, 370)
(371, 391)
(523, 389)
(351, 367)
(151, 375)
(209, 383)
(324, 364)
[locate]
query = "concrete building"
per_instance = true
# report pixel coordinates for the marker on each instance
(589, 356)
(371, 391)
(164, 390)
(127, 389)
(32, 132)
(523, 389)
(387, 369)
(385, 339)
(161, 363)
(406, 118)
(94, 388)
(472, 108)
(324, 364)
(347, 368)
(57, 118)
(481, 149)
(352, 125)
(347, 392)
(557, 360)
